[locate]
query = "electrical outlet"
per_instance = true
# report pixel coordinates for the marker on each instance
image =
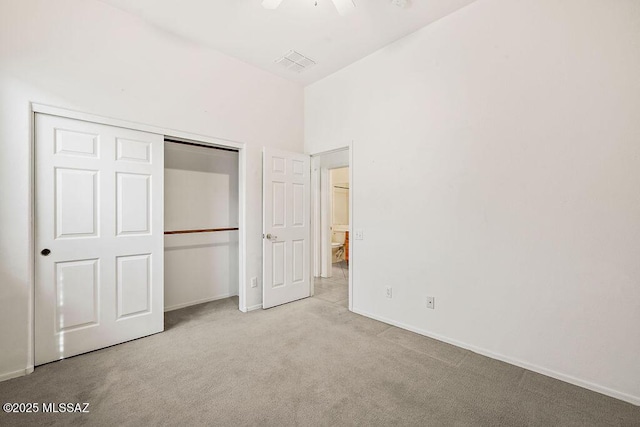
(431, 302)
(254, 282)
(388, 292)
(358, 234)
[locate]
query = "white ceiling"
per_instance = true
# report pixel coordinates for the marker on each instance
(245, 30)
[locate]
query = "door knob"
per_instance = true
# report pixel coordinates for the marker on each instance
(45, 252)
(271, 237)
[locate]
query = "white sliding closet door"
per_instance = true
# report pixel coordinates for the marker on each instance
(99, 236)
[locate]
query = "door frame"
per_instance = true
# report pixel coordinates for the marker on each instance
(166, 133)
(326, 211)
(316, 213)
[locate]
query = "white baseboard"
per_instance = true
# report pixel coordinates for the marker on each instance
(254, 307)
(200, 301)
(635, 400)
(16, 374)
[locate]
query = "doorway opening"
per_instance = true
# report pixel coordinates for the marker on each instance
(332, 218)
(201, 206)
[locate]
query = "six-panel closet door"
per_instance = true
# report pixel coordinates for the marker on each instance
(98, 237)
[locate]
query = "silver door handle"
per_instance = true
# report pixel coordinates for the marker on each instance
(271, 237)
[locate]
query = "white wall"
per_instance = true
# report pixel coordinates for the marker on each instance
(499, 148)
(200, 191)
(87, 56)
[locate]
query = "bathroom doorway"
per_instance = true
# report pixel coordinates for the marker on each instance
(331, 182)
(339, 223)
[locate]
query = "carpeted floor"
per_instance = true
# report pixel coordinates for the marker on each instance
(311, 362)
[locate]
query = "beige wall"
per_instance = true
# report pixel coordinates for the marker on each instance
(340, 176)
(340, 199)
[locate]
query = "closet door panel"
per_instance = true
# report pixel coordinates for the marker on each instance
(133, 203)
(77, 284)
(99, 236)
(134, 285)
(133, 151)
(74, 143)
(76, 200)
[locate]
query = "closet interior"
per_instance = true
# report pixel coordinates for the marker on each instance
(201, 224)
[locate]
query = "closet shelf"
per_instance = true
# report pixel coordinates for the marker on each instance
(204, 230)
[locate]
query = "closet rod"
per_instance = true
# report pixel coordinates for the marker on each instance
(205, 230)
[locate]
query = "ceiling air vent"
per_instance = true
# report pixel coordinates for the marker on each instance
(295, 61)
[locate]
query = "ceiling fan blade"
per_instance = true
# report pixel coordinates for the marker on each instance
(344, 6)
(271, 4)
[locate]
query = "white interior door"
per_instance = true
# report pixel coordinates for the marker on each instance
(286, 227)
(99, 236)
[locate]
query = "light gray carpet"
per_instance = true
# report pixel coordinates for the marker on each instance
(311, 362)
